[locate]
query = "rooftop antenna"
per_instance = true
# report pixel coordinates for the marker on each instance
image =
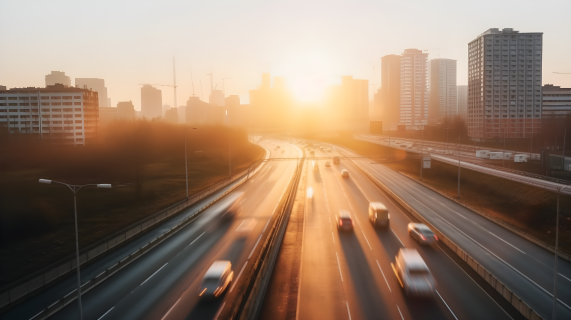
(192, 81)
(174, 82)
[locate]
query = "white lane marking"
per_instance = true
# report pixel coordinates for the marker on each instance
(240, 225)
(273, 211)
(219, 311)
(348, 311)
(400, 312)
(564, 277)
(153, 274)
(384, 277)
(105, 313)
(367, 240)
(243, 200)
(446, 305)
(171, 308)
(236, 280)
(483, 247)
(332, 236)
(339, 265)
(507, 242)
(195, 239)
(398, 238)
(260, 237)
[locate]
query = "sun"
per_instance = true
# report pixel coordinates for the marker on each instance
(308, 88)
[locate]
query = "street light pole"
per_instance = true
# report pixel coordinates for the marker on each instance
(458, 164)
(504, 152)
(185, 163)
(422, 154)
(75, 189)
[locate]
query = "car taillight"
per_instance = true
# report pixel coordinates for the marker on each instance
(423, 238)
(340, 222)
(435, 237)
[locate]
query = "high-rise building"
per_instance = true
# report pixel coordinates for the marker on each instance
(107, 115)
(126, 111)
(414, 89)
(64, 115)
(442, 87)
(556, 102)
(216, 98)
(171, 115)
(56, 77)
(390, 91)
(151, 102)
(97, 85)
(504, 84)
(462, 92)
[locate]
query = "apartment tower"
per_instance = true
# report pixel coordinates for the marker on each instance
(504, 84)
(413, 89)
(151, 102)
(390, 91)
(462, 92)
(443, 94)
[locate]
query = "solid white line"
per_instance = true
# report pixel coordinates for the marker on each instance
(236, 281)
(506, 242)
(153, 274)
(367, 240)
(446, 305)
(339, 265)
(400, 312)
(219, 311)
(240, 225)
(332, 236)
(171, 308)
(348, 311)
(397, 237)
(564, 277)
(260, 237)
(106, 313)
(384, 276)
(195, 239)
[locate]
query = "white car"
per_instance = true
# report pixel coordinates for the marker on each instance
(413, 274)
(216, 279)
(344, 173)
(327, 164)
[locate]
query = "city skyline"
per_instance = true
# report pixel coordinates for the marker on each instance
(306, 54)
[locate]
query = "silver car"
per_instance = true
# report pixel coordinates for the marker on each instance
(421, 233)
(413, 274)
(216, 279)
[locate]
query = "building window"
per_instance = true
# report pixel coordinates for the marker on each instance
(56, 98)
(77, 97)
(67, 103)
(56, 103)
(77, 103)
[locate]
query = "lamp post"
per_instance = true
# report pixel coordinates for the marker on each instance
(229, 163)
(75, 189)
(446, 145)
(458, 164)
(422, 154)
(186, 162)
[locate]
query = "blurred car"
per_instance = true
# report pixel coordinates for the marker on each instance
(413, 274)
(314, 166)
(327, 164)
(344, 173)
(230, 207)
(216, 279)
(336, 160)
(328, 150)
(278, 147)
(282, 151)
(344, 221)
(312, 152)
(421, 233)
(379, 215)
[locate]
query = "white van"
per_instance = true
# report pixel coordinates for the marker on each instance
(379, 215)
(216, 279)
(413, 274)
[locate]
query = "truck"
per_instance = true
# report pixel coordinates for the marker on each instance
(521, 157)
(483, 154)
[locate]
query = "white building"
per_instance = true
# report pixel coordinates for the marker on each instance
(56, 77)
(442, 85)
(504, 84)
(414, 89)
(462, 92)
(63, 115)
(95, 84)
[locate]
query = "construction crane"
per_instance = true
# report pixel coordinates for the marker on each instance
(561, 73)
(167, 85)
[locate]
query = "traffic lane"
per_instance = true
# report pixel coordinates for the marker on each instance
(485, 234)
(123, 284)
(536, 296)
(320, 294)
(458, 290)
(381, 255)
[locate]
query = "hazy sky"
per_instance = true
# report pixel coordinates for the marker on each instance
(312, 43)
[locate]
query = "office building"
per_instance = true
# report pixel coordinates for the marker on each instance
(414, 89)
(56, 77)
(390, 91)
(126, 111)
(97, 85)
(504, 84)
(462, 92)
(107, 115)
(171, 115)
(443, 92)
(556, 103)
(2, 87)
(216, 98)
(151, 102)
(64, 115)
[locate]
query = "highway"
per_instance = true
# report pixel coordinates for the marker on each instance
(163, 284)
(348, 275)
(524, 267)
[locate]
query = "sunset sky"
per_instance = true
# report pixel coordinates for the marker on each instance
(311, 43)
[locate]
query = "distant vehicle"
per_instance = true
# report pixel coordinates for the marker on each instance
(379, 215)
(283, 151)
(344, 173)
(230, 207)
(336, 160)
(314, 166)
(327, 164)
(216, 279)
(312, 152)
(421, 233)
(413, 274)
(344, 221)
(521, 157)
(278, 147)
(328, 150)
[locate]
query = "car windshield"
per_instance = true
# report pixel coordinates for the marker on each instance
(426, 232)
(418, 272)
(210, 282)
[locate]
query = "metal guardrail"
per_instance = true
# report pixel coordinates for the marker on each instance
(21, 289)
(72, 296)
